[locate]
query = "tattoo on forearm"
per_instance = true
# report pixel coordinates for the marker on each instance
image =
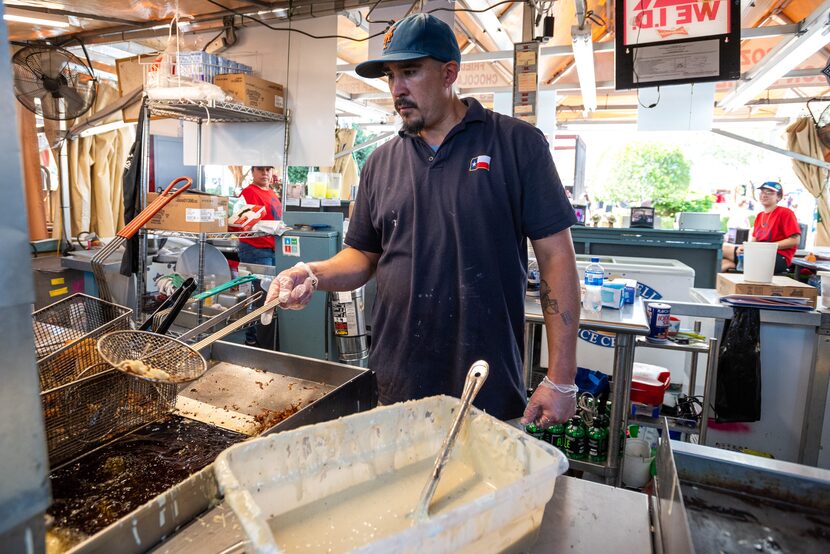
(549, 305)
(567, 319)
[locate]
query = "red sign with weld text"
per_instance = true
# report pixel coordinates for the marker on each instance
(655, 21)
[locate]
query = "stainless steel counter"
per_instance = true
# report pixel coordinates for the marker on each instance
(630, 319)
(581, 517)
(627, 324)
(795, 365)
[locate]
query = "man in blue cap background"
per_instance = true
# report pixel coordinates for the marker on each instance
(442, 219)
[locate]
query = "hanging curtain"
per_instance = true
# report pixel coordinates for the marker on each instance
(95, 168)
(344, 165)
(803, 138)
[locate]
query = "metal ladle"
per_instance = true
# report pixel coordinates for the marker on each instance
(175, 361)
(475, 379)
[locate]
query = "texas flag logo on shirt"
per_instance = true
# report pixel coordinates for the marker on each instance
(480, 162)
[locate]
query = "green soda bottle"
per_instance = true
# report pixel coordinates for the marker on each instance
(535, 431)
(575, 439)
(555, 435)
(597, 442)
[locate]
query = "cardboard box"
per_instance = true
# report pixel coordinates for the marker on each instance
(191, 213)
(733, 283)
(253, 91)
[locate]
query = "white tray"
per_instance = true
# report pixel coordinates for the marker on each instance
(267, 477)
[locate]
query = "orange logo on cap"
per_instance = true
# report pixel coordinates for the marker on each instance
(387, 38)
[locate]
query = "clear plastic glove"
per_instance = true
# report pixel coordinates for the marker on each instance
(548, 406)
(293, 287)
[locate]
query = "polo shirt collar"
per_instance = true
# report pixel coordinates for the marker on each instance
(475, 112)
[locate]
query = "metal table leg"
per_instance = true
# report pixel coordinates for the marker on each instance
(623, 369)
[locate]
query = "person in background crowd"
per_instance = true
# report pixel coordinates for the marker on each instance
(775, 224)
(260, 250)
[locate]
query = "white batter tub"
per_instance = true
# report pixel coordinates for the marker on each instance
(351, 485)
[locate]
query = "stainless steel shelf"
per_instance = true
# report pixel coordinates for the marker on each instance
(591, 467)
(226, 112)
(700, 348)
(657, 422)
(207, 236)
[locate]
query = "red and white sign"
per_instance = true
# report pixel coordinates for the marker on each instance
(650, 21)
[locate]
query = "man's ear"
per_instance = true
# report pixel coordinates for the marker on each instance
(450, 73)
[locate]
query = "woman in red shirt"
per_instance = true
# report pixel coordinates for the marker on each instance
(260, 250)
(775, 224)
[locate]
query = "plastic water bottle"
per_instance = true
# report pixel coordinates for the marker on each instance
(594, 275)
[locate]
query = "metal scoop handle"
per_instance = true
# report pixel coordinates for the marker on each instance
(475, 379)
(227, 330)
(217, 319)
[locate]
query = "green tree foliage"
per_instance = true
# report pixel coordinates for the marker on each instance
(297, 174)
(361, 155)
(655, 174)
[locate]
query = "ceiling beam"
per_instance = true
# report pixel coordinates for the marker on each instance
(67, 13)
(490, 23)
(378, 84)
(599, 47)
(146, 29)
(813, 35)
(790, 154)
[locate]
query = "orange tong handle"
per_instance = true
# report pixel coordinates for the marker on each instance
(155, 207)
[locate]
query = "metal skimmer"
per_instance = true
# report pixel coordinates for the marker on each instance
(164, 359)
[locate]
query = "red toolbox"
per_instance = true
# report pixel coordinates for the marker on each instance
(649, 383)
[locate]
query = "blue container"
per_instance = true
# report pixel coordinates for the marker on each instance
(629, 294)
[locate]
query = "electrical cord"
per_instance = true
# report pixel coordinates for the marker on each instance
(637, 76)
(595, 18)
(589, 407)
(389, 23)
(289, 29)
(375, 5)
(469, 10)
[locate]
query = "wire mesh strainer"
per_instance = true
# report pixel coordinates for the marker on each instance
(163, 359)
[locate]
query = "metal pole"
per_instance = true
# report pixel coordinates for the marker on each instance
(144, 187)
(201, 285)
(623, 369)
(64, 176)
(199, 184)
(693, 371)
(285, 142)
(711, 369)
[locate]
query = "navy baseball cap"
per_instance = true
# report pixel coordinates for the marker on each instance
(417, 36)
(772, 185)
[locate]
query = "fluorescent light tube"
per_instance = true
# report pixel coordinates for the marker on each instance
(35, 20)
(583, 48)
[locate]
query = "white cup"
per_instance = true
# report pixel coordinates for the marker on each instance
(759, 261)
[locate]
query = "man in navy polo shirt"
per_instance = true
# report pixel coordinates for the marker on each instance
(442, 220)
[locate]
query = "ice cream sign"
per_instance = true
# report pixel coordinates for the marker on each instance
(654, 21)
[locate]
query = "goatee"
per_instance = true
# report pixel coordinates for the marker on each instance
(413, 127)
